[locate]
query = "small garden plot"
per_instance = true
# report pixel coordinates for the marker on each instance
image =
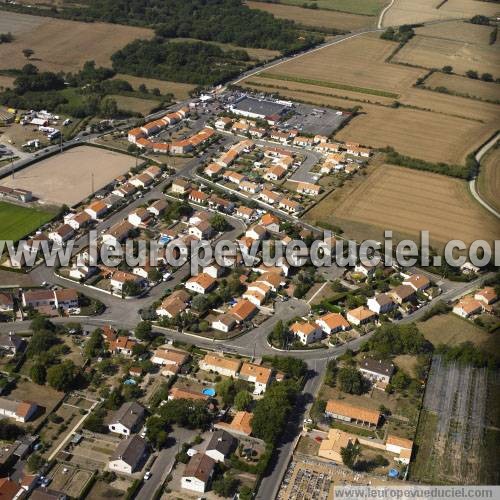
(70, 479)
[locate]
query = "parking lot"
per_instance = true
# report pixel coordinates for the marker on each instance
(311, 120)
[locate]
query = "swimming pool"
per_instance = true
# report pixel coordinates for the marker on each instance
(209, 392)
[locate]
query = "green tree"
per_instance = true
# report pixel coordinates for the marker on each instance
(62, 376)
(156, 431)
(243, 400)
(28, 53)
(144, 330)
(154, 275)
(226, 390)
(331, 373)
(219, 223)
(400, 381)
(350, 453)
(38, 373)
(225, 486)
(351, 381)
(131, 288)
(95, 344)
(35, 462)
(472, 74)
(447, 69)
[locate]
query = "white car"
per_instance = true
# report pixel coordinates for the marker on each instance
(147, 475)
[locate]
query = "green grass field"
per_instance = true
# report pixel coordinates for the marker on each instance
(16, 222)
(364, 7)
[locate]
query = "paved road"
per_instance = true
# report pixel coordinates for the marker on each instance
(473, 182)
(164, 462)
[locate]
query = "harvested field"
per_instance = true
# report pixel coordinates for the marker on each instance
(135, 104)
(410, 12)
(452, 330)
(357, 62)
(464, 86)
(405, 201)
(17, 221)
(421, 134)
(429, 52)
(61, 45)
(315, 90)
(459, 31)
(450, 435)
(180, 90)
(66, 178)
(6, 81)
(365, 7)
(489, 178)
(316, 18)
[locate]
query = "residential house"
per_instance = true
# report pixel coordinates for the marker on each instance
(202, 283)
(269, 196)
(39, 298)
(306, 332)
(367, 269)
(220, 204)
(177, 393)
(213, 170)
(333, 323)
(270, 222)
(256, 232)
(119, 278)
(198, 197)
(153, 171)
(224, 323)
(467, 306)
(180, 186)
(241, 424)
(125, 190)
(79, 220)
(97, 209)
(157, 208)
(129, 455)
(201, 231)
(66, 298)
(272, 279)
(198, 473)
(249, 187)
(174, 304)
(122, 345)
(305, 142)
(258, 375)
(134, 134)
(339, 410)
(400, 446)
(222, 123)
(6, 302)
(274, 173)
(290, 206)
(234, 177)
(220, 446)
(20, 411)
(360, 316)
(356, 150)
(141, 181)
(308, 188)
(214, 270)
(257, 293)
(486, 296)
(11, 344)
(331, 447)
(170, 360)
(381, 304)
(376, 370)
(117, 233)
(245, 213)
(140, 217)
(181, 147)
(243, 310)
(219, 364)
(402, 293)
(127, 419)
(418, 282)
(63, 233)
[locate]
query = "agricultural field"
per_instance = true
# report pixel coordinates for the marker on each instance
(66, 178)
(6, 82)
(464, 86)
(411, 12)
(316, 18)
(358, 62)
(179, 90)
(16, 221)
(62, 45)
(135, 104)
(405, 201)
(430, 52)
(450, 437)
(452, 330)
(460, 31)
(363, 7)
(488, 182)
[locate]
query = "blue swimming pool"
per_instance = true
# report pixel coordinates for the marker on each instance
(209, 392)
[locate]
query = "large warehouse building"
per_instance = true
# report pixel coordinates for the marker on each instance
(250, 107)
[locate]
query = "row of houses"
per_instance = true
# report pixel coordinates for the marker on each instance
(480, 302)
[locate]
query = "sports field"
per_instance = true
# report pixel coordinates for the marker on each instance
(67, 178)
(61, 45)
(405, 201)
(17, 222)
(315, 17)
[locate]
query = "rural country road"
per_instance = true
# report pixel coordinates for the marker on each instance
(472, 182)
(382, 14)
